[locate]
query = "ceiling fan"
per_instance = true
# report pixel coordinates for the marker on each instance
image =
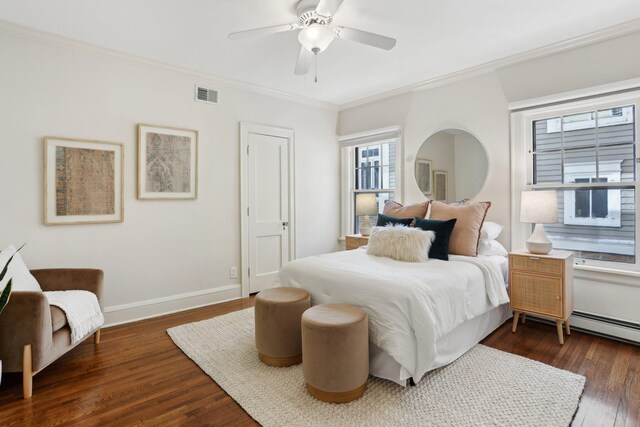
(316, 33)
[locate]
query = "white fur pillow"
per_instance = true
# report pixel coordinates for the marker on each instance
(400, 243)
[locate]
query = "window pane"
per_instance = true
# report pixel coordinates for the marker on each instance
(546, 134)
(579, 164)
(592, 238)
(616, 163)
(579, 130)
(547, 168)
(616, 117)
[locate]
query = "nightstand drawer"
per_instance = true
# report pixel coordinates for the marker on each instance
(535, 293)
(534, 264)
(354, 242)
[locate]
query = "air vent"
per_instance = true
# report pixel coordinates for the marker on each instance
(209, 96)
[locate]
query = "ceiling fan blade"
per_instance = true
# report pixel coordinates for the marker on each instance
(365, 37)
(328, 7)
(262, 31)
(305, 57)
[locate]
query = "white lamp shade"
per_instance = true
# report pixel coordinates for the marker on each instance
(366, 204)
(539, 207)
(316, 36)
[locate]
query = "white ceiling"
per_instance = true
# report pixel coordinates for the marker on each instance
(434, 37)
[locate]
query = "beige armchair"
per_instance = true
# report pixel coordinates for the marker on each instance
(34, 334)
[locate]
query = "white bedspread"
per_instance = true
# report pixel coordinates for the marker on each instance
(410, 305)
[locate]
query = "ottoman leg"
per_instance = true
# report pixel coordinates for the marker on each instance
(280, 362)
(337, 397)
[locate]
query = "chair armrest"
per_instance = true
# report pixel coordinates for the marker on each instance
(68, 279)
(25, 320)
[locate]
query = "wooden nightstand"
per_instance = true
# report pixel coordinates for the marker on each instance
(542, 285)
(354, 241)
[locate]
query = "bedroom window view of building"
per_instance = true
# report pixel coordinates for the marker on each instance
(374, 172)
(589, 158)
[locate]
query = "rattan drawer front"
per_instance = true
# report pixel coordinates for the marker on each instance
(540, 294)
(537, 264)
(354, 242)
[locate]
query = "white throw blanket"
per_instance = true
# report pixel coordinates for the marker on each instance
(82, 310)
(410, 305)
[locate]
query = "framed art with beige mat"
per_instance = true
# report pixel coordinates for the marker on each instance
(167, 162)
(440, 186)
(484, 386)
(423, 176)
(83, 181)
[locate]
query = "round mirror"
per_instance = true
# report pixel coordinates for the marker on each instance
(451, 165)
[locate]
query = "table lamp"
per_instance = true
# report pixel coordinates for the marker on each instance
(539, 207)
(366, 204)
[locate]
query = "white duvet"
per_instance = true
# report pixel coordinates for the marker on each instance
(410, 305)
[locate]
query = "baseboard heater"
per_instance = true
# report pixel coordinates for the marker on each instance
(634, 326)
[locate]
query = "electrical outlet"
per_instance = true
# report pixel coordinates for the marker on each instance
(233, 272)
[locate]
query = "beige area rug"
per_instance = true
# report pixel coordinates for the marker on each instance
(485, 387)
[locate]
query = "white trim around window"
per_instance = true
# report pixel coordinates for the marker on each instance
(522, 169)
(347, 145)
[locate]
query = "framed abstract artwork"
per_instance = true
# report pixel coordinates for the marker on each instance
(440, 185)
(167, 162)
(83, 181)
(423, 176)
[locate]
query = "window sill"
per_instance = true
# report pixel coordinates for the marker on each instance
(609, 275)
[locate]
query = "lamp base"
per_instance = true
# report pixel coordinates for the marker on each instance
(539, 243)
(365, 228)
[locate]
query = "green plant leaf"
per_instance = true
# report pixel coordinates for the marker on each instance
(4, 297)
(6, 266)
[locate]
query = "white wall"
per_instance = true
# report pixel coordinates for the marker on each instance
(164, 250)
(478, 104)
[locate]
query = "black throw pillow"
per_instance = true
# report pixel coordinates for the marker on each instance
(440, 246)
(386, 220)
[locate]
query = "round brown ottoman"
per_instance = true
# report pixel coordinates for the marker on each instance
(335, 352)
(278, 314)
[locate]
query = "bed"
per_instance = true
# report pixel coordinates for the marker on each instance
(421, 315)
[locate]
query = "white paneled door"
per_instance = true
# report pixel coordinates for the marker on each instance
(266, 191)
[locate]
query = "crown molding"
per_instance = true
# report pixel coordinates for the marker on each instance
(626, 28)
(605, 34)
(20, 31)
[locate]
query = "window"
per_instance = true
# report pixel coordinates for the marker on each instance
(370, 165)
(589, 157)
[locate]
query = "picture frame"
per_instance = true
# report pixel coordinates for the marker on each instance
(83, 181)
(440, 185)
(167, 163)
(423, 176)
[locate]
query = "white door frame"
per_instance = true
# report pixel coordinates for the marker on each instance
(245, 129)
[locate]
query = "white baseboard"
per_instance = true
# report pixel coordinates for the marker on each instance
(140, 310)
(597, 327)
(614, 331)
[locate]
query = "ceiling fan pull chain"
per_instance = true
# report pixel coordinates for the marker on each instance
(315, 51)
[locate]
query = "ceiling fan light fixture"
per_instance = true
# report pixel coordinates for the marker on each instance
(316, 37)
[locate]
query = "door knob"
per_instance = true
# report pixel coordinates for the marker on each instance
(285, 224)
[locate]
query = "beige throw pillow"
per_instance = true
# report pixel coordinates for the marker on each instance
(392, 208)
(400, 243)
(466, 233)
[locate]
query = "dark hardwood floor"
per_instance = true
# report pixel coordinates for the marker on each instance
(137, 376)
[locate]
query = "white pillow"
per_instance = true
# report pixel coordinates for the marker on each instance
(18, 271)
(489, 247)
(490, 230)
(400, 243)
